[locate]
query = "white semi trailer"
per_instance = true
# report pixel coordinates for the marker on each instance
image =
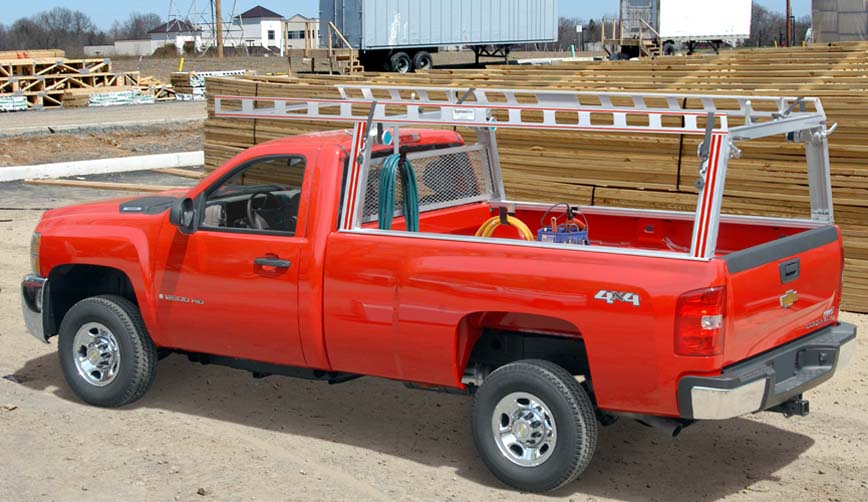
(649, 26)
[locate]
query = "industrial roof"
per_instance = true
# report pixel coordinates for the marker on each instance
(175, 26)
(259, 12)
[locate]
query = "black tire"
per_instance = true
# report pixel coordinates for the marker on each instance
(400, 62)
(137, 356)
(572, 412)
(669, 49)
(422, 60)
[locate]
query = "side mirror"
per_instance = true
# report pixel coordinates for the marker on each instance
(182, 214)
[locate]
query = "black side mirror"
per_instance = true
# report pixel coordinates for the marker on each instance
(182, 214)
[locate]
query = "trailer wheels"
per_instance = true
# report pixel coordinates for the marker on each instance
(106, 354)
(669, 48)
(534, 425)
(423, 61)
(401, 62)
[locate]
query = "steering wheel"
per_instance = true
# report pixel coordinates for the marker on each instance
(254, 219)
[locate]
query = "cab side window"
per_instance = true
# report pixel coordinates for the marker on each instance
(261, 197)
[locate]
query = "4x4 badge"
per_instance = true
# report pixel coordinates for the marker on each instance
(611, 297)
(791, 297)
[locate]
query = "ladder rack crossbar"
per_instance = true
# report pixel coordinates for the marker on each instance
(529, 109)
(720, 104)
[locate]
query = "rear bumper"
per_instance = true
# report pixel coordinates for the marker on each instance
(769, 379)
(32, 305)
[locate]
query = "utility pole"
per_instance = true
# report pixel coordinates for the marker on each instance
(218, 13)
(789, 21)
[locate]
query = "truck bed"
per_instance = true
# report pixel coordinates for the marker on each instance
(616, 229)
(748, 264)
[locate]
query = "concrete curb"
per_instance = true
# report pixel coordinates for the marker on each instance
(102, 166)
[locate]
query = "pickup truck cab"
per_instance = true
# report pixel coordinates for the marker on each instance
(391, 251)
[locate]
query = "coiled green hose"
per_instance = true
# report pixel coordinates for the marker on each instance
(409, 188)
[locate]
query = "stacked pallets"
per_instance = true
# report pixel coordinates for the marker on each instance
(643, 171)
(41, 81)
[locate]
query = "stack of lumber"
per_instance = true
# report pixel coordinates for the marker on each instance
(633, 170)
(36, 53)
(156, 88)
(190, 86)
(44, 78)
(80, 98)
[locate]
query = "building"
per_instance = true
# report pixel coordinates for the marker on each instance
(259, 31)
(840, 20)
(262, 27)
(295, 28)
(144, 47)
(178, 33)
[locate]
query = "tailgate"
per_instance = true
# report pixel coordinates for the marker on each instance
(782, 290)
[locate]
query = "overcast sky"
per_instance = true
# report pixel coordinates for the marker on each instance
(103, 12)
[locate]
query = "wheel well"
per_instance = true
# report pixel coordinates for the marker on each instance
(488, 340)
(496, 348)
(69, 284)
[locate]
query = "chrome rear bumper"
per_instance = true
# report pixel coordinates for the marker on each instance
(32, 305)
(769, 379)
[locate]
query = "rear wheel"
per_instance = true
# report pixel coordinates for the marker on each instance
(669, 48)
(107, 356)
(534, 425)
(423, 61)
(401, 62)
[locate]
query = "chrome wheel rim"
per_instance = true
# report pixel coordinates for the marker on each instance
(96, 354)
(524, 429)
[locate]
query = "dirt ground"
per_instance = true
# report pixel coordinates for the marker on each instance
(62, 147)
(212, 433)
(162, 68)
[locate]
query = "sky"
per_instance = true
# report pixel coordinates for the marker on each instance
(104, 12)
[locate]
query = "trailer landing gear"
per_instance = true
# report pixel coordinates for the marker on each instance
(492, 51)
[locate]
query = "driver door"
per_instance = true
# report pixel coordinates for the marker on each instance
(231, 288)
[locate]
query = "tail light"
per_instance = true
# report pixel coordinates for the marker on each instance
(840, 291)
(699, 322)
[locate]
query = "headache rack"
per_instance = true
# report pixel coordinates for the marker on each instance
(720, 119)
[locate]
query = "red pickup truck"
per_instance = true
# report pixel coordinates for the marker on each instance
(391, 251)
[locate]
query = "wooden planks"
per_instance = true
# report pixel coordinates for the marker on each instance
(103, 185)
(640, 171)
(45, 81)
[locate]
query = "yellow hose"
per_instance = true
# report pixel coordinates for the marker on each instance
(487, 229)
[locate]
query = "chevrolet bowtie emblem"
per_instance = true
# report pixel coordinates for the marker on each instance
(791, 297)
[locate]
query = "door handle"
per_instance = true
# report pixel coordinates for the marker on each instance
(272, 262)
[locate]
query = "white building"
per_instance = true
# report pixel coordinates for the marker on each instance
(295, 27)
(257, 32)
(177, 33)
(262, 28)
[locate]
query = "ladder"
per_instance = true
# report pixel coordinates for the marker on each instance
(368, 107)
(758, 116)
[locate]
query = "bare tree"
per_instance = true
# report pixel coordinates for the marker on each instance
(569, 35)
(58, 28)
(768, 27)
(136, 27)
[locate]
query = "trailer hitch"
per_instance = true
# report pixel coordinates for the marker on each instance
(795, 406)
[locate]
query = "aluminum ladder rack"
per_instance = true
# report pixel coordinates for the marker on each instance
(520, 108)
(722, 119)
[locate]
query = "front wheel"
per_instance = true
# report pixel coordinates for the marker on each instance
(534, 425)
(107, 356)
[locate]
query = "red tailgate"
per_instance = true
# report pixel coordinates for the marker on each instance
(782, 290)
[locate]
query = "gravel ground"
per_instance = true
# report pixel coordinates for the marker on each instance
(62, 147)
(212, 433)
(162, 68)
